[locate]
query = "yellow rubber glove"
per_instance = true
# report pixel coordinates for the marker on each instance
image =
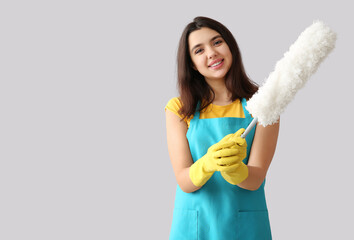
(238, 171)
(220, 157)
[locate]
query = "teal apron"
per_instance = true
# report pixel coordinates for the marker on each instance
(219, 210)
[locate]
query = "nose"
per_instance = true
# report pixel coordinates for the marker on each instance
(211, 53)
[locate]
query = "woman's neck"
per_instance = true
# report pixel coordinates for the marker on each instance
(222, 94)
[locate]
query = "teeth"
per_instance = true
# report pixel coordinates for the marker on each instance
(215, 64)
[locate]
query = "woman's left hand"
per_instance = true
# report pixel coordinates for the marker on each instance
(240, 144)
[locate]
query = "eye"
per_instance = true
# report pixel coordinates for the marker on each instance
(218, 42)
(199, 50)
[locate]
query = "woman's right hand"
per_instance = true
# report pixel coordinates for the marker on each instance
(221, 156)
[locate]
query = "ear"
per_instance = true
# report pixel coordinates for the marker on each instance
(193, 66)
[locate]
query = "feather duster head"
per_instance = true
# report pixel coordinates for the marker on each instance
(292, 72)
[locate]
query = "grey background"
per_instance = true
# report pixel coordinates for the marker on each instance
(82, 95)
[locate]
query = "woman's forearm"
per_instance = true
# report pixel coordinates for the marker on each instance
(254, 180)
(261, 155)
(185, 182)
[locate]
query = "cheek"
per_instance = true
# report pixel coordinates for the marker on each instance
(227, 52)
(198, 63)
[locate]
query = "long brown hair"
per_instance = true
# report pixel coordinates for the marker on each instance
(192, 85)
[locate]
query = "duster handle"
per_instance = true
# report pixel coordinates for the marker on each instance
(250, 126)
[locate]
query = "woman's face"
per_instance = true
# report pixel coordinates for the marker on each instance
(210, 54)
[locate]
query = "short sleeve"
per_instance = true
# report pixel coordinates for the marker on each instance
(174, 105)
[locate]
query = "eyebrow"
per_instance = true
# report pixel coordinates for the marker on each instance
(198, 45)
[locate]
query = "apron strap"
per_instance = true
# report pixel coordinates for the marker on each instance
(244, 104)
(197, 113)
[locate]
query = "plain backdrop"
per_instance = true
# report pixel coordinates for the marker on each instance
(83, 86)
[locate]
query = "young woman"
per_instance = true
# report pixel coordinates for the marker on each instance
(220, 176)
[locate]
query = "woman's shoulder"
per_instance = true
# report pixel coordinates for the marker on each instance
(174, 105)
(175, 101)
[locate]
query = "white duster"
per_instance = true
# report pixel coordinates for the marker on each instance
(291, 73)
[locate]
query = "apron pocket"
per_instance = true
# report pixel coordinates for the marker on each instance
(253, 225)
(184, 225)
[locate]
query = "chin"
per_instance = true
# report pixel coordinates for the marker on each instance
(218, 76)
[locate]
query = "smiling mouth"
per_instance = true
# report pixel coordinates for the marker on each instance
(217, 63)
